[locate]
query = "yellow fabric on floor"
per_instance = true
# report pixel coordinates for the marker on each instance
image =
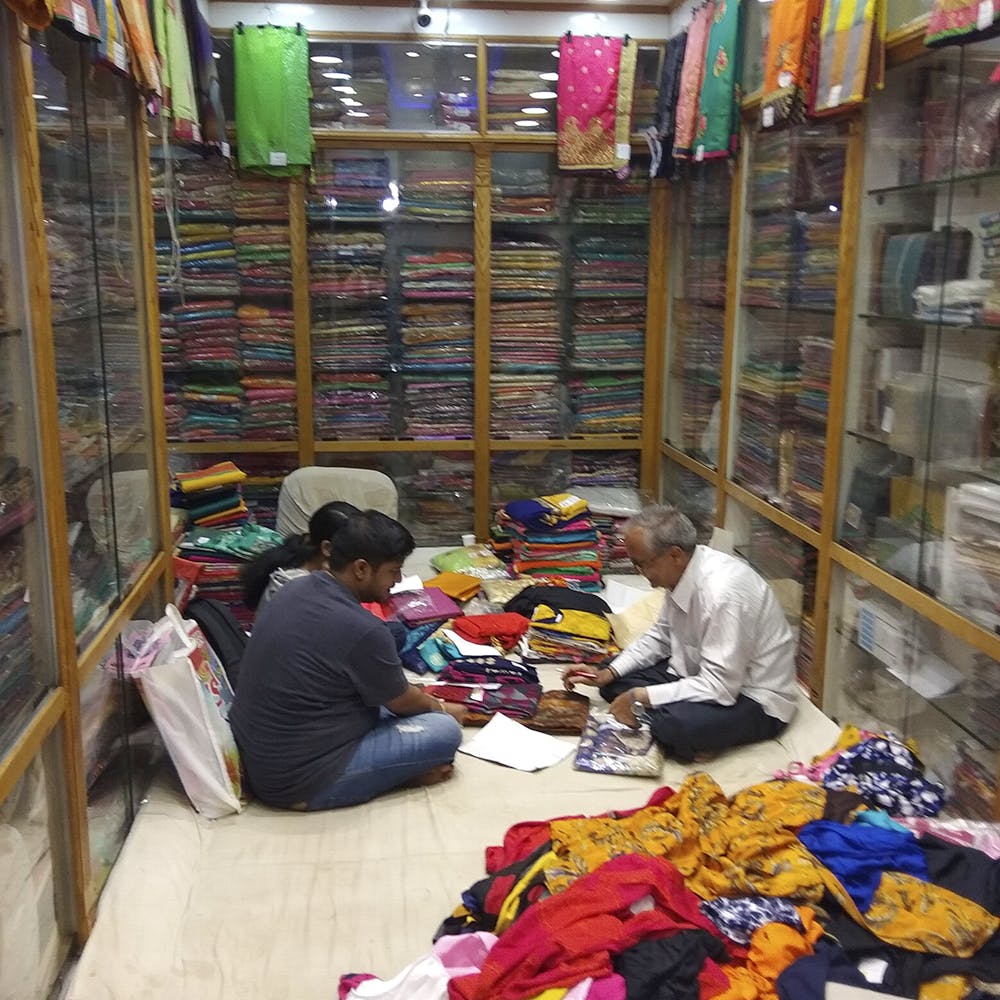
(459, 586)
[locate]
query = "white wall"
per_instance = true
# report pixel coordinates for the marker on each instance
(517, 22)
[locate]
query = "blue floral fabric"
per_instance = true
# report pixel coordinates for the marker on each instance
(739, 918)
(887, 775)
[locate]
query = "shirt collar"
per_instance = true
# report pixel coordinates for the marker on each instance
(686, 585)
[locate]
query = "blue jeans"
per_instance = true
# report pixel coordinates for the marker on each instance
(395, 751)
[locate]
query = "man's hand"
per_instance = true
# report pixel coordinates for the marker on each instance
(621, 708)
(578, 674)
(458, 712)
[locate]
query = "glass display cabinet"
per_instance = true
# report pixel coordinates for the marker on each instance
(898, 670)
(694, 496)
(788, 286)
(700, 204)
(89, 191)
(921, 455)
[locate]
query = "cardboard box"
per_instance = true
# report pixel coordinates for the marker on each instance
(916, 503)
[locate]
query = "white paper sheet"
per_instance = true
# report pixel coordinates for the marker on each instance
(467, 648)
(620, 596)
(407, 583)
(507, 742)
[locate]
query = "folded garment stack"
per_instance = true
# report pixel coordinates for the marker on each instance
(554, 536)
(569, 636)
(267, 336)
(212, 497)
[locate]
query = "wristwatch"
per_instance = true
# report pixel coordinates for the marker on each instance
(639, 711)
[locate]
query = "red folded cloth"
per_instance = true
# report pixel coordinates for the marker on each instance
(506, 628)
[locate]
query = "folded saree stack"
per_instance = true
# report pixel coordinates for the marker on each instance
(812, 405)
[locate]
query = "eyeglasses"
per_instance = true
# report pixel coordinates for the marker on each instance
(641, 564)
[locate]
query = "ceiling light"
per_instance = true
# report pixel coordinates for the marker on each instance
(349, 102)
(344, 90)
(534, 111)
(555, 52)
(470, 55)
(461, 95)
(327, 60)
(412, 54)
(358, 114)
(527, 123)
(40, 97)
(332, 74)
(216, 55)
(548, 76)
(543, 95)
(466, 79)
(55, 107)
(418, 95)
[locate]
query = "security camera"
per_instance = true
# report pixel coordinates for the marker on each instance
(423, 17)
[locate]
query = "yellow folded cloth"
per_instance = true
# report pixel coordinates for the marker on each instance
(459, 586)
(582, 624)
(565, 506)
(220, 474)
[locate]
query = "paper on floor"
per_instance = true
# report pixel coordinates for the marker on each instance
(507, 742)
(407, 583)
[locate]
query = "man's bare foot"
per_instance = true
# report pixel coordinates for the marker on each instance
(432, 777)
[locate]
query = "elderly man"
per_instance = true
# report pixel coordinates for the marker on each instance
(717, 668)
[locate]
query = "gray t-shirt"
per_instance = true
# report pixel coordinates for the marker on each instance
(313, 676)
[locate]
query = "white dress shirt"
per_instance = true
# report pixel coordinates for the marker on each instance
(725, 634)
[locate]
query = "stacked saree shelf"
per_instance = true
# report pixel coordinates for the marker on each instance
(526, 346)
(435, 495)
(267, 336)
(509, 90)
(805, 499)
(366, 104)
(518, 475)
(349, 284)
(522, 194)
(436, 332)
(604, 468)
(697, 360)
(442, 194)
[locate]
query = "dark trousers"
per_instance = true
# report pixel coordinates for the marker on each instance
(686, 728)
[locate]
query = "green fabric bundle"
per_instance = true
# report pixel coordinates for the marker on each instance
(272, 99)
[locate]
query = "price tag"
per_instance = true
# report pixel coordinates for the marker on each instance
(767, 116)
(226, 149)
(278, 159)
(888, 417)
(699, 154)
(196, 132)
(118, 55)
(478, 695)
(984, 17)
(852, 515)
(80, 20)
(623, 151)
(833, 100)
(784, 78)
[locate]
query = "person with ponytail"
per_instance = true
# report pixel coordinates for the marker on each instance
(297, 556)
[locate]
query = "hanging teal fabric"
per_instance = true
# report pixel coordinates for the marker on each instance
(273, 133)
(717, 127)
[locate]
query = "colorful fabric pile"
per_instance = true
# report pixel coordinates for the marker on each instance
(610, 508)
(601, 468)
(510, 90)
(436, 496)
(569, 636)
(347, 264)
(263, 256)
(212, 497)
(437, 406)
(607, 404)
(521, 194)
(267, 336)
(554, 536)
(525, 406)
(348, 186)
(443, 194)
(699, 333)
(369, 87)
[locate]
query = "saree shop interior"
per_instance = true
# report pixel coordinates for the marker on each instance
(738, 256)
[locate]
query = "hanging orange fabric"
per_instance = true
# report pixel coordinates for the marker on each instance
(145, 66)
(34, 13)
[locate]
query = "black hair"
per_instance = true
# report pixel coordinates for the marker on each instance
(372, 536)
(295, 551)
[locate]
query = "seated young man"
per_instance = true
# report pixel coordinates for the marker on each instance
(324, 716)
(717, 668)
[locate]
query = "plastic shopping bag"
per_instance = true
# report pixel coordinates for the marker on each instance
(188, 695)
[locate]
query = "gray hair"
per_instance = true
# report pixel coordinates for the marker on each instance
(665, 527)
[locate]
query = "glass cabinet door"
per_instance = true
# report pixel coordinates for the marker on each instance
(28, 668)
(85, 129)
(921, 485)
(699, 249)
(785, 328)
(521, 88)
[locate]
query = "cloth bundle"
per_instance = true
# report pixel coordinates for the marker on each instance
(569, 636)
(503, 630)
(212, 496)
(459, 586)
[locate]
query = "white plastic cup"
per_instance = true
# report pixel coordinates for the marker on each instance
(469, 539)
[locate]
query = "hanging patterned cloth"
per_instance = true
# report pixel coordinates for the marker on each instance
(790, 61)
(851, 48)
(594, 108)
(34, 13)
(145, 66)
(178, 79)
(691, 75)
(76, 17)
(112, 46)
(661, 135)
(272, 98)
(958, 22)
(717, 130)
(206, 78)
